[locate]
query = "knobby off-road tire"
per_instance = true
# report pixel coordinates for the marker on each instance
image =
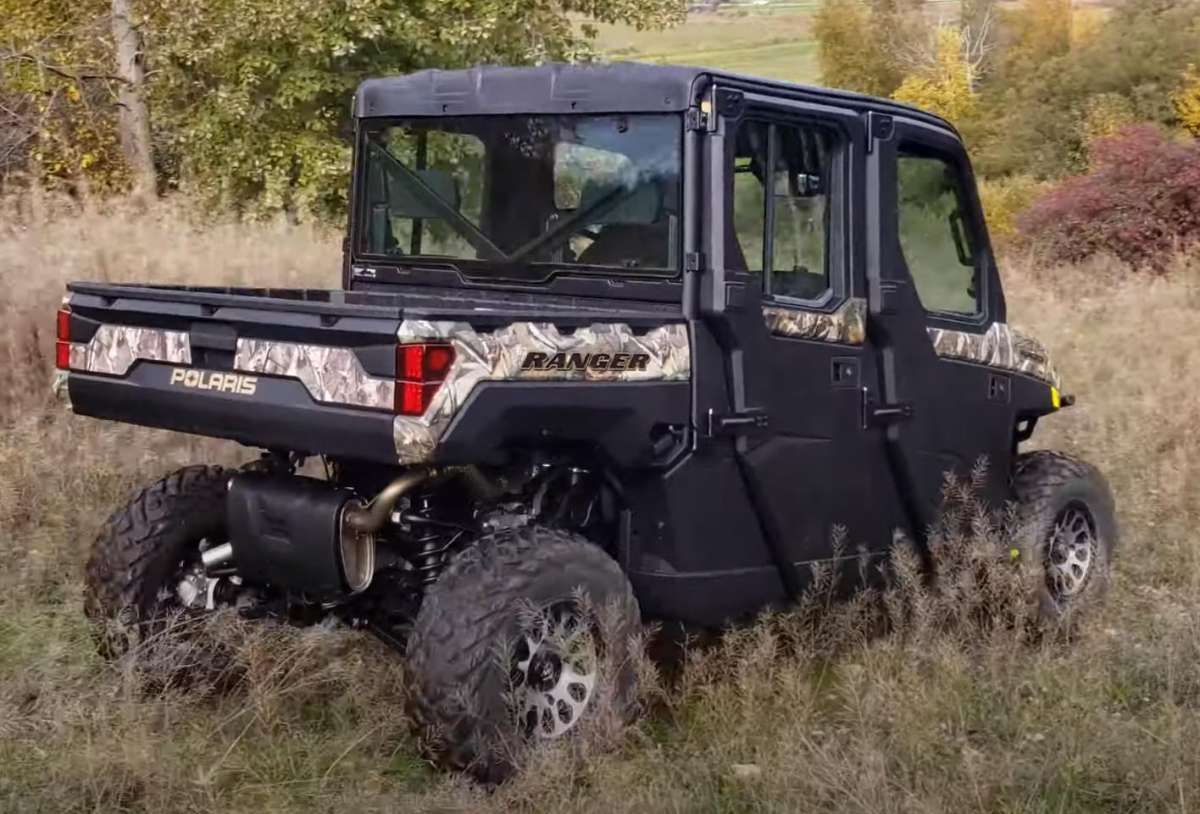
(143, 546)
(462, 691)
(1068, 528)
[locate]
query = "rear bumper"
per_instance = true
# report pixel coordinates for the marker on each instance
(279, 413)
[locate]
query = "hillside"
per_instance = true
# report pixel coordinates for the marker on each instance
(768, 40)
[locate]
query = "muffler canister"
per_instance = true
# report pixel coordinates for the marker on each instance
(292, 532)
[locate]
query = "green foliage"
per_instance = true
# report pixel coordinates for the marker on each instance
(1060, 82)
(250, 99)
(254, 95)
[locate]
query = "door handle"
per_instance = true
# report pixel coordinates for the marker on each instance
(751, 418)
(891, 412)
(875, 415)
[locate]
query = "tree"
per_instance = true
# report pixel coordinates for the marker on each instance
(246, 102)
(853, 48)
(252, 102)
(947, 86)
(57, 122)
(1052, 90)
(920, 47)
(134, 117)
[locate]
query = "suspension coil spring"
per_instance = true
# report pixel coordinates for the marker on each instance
(432, 557)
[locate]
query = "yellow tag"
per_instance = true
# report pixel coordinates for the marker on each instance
(1014, 553)
(1055, 399)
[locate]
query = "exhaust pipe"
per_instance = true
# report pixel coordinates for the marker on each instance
(370, 518)
(217, 556)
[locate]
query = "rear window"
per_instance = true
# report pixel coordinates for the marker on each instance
(518, 195)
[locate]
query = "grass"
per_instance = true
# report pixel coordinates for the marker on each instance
(772, 41)
(800, 712)
(762, 41)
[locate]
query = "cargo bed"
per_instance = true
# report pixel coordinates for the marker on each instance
(309, 370)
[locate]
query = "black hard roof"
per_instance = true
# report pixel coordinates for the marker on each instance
(617, 87)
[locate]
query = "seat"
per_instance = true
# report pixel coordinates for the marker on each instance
(634, 233)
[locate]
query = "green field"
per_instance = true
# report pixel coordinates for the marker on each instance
(763, 40)
(772, 41)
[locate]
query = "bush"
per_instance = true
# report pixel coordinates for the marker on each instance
(1140, 200)
(1004, 201)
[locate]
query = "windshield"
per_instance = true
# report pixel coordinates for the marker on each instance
(518, 196)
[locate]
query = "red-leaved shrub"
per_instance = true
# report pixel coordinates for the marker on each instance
(1139, 201)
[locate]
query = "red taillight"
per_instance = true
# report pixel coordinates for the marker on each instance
(62, 347)
(420, 371)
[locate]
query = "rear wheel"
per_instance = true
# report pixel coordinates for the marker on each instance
(1068, 527)
(145, 563)
(524, 637)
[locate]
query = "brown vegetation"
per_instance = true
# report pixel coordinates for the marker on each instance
(947, 713)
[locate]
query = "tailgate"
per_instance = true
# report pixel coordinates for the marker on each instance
(296, 369)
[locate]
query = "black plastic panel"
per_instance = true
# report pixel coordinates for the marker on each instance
(281, 414)
(710, 598)
(618, 418)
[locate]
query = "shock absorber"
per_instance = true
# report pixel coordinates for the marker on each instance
(432, 539)
(432, 556)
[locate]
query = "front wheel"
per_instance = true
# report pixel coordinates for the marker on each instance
(527, 634)
(1068, 528)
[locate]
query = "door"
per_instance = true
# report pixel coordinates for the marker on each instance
(933, 292)
(797, 310)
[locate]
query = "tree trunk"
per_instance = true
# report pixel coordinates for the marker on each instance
(134, 115)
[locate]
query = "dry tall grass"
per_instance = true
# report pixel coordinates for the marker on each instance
(793, 714)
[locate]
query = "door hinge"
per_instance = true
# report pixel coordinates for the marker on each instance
(880, 127)
(738, 423)
(693, 261)
(695, 119)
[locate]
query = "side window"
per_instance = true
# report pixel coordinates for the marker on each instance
(936, 234)
(780, 215)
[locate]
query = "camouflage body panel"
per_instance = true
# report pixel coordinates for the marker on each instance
(1000, 346)
(330, 374)
(114, 348)
(846, 326)
(500, 356)
(61, 389)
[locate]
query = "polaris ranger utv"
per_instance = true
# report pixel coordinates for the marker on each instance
(620, 336)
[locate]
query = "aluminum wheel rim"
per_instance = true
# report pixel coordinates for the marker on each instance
(1071, 552)
(554, 673)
